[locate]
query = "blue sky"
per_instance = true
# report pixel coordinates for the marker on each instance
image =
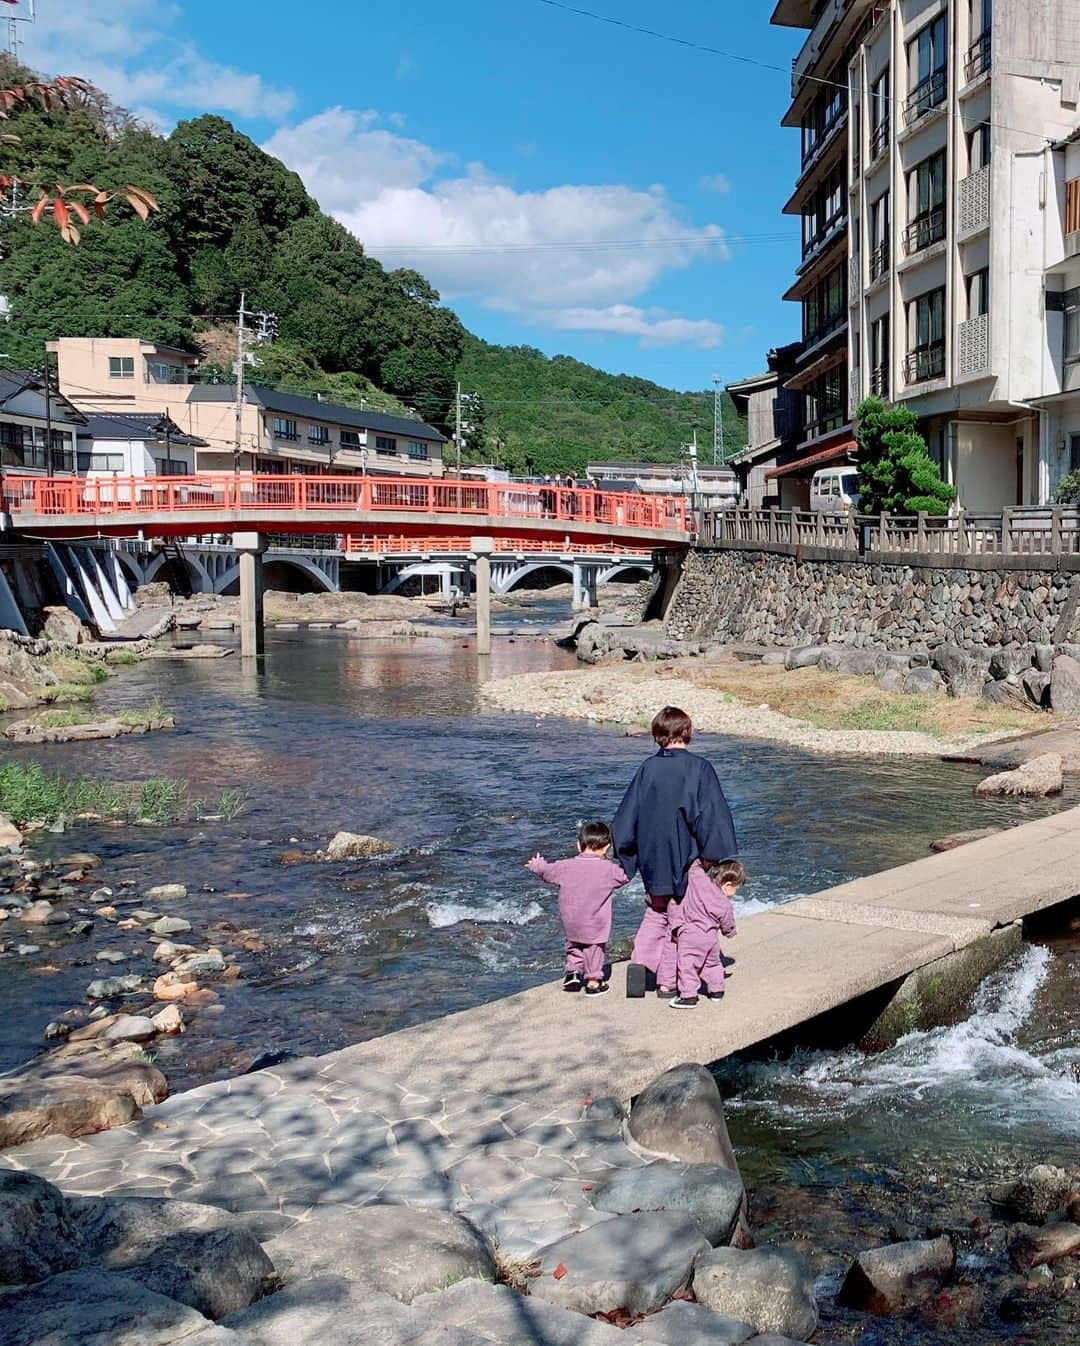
(479, 141)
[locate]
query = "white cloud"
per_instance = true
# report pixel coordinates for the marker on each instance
(652, 327)
(719, 183)
(572, 256)
(138, 51)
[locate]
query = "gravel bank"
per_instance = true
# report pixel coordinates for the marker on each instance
(629, 695)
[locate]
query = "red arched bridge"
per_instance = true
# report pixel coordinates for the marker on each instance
(65, 507)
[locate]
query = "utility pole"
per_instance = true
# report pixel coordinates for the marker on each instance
(457, 426)
(719, 453)
(241, 356)
(48, 415)
(28, 16)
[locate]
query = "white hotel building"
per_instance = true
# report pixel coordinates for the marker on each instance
(940, 200)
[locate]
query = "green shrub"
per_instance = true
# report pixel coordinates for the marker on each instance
(896, 472)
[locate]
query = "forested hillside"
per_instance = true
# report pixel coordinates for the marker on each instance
(234, 220)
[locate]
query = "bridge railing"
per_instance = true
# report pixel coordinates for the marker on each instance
(109, 497)
(368, 544)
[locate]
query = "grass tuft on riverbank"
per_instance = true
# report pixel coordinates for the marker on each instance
(155, 712)
(29, 795)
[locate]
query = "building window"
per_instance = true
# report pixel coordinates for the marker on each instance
(270, 467)
(928, 57)
(977, 61)
(926, 354)
(826, 401)
(824, 113)
(879, 237)
(284, 428)
(417, 449)
(101, 462)
(880, 105)
(350, 439)
(926, 197)
(385, 444)
(825, 210)
(158, 371)
(978, 293)
(879, 356)
(825, 307)
(318, 434)
(121, 366)
(978, 145)
(171, 467)
(1072, 334)
(1072, 206)
(24, 446)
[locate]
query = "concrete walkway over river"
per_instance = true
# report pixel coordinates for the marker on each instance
(483, 1113)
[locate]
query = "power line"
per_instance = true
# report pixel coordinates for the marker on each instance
(742, 59)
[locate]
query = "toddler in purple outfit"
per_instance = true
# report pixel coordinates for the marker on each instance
(586, 883)
(698, 920)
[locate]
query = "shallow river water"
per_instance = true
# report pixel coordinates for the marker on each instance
(383, 738)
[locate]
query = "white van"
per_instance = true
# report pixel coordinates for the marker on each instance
(835, 488)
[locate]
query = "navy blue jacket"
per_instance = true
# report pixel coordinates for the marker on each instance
(673, 813)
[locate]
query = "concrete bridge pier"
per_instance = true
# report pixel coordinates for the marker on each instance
(483, 547)
(586, 584)
(250, 548)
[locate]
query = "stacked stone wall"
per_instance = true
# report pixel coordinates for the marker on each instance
(766, 598)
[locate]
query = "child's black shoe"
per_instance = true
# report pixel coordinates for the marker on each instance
(572, 981)
(713, 995)
(684, 1002)
(597, 988)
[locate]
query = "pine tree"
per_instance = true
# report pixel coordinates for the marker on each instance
(896, 472)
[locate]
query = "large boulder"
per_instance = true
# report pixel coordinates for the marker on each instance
(1035, 1195)
(10, 837)
(1039, 1245)
(923, 682)
(634, 1263)
(956, 839)
(1038, 776)
(1009, 692)
(853, 663)
(93, 1307)
(355, 846)
(965, 671)
(1012, 660)
(685, 1324)
(331, 1312)
(888, 1280)
(62, 626)
(199, 1255)
(1065, 686)
(400, 1251)
(710, 1194)
(804, 656)
(773, 1288)
(37, 1235)
(1037, 686)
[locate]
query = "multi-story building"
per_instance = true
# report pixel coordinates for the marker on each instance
(768, 466)
(278, 432)
(38, 427)
(927, 162)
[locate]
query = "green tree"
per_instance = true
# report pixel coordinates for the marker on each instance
(896, 472)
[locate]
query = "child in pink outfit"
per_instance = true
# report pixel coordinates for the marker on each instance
(704, 913)
(586, 883)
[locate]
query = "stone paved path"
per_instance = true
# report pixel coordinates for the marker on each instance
(486, 1113)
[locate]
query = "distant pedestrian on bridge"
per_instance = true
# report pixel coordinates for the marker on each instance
(586, 883)
(673, 814)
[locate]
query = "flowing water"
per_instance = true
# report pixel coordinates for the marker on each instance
(383, 737)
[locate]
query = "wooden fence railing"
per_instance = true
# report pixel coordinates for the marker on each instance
(1020, 531)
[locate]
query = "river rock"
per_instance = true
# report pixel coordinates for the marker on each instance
(965, 671)
(165, 892)
(1065, 686)
(171, 925)
(171, 986)
(1008, 693)
(208, 964)
(198, 1255)
(43, 913)
(773, 1288)
(680, 1116)
(1038, 1245)
(1038, 776)
(355, 846)
(80, 860)
(1035, 1195)
(636, 1263)
(923, 682)
(401, 1251)
(169, 1020)
(37, 1235)
(129, 1028)
(1037, 687)
(955, 839)
(1011, 660)
(92, 1307)
(804, 656)
(685, 1324)
(107, 987)
(853, 663)
(10, 836)
(884, 1281)
(710, 1194)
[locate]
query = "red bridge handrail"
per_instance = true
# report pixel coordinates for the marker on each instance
(376, 545)
(232, 493)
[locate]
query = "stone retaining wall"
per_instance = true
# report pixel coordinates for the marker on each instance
(768, 598)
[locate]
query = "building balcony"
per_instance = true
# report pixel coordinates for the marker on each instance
(927, 95)
(973, 201)
(879, 380)
(826, 236)
(924, 231)
(973, 345)
(879, 140)
(825, 423)
(925, 362)
(977, 60)
(879, 261)
(824, 329)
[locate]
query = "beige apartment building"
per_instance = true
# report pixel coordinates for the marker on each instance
(939, 255)
(279, 432)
